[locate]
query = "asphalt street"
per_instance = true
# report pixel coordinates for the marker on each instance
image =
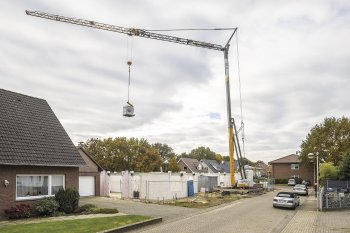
(254, 214)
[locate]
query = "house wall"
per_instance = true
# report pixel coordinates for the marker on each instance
(284, 171)
(206, 168)
(182, 166)
(90, 169)
(90, 165)
(8, 194)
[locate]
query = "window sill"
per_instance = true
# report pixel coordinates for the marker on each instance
(32, 198)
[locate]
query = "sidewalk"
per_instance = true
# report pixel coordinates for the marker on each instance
(307, 219)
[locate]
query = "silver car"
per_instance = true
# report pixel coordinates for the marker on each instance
(301, 189)
(286, 199)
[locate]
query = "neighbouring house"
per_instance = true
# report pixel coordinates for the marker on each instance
(90, 178)
(264, 168)
(225, 166)
(37, 157)
(189, 165)
(210, 165)
(290, 166)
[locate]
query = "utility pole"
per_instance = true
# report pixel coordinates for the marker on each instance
(157, 36)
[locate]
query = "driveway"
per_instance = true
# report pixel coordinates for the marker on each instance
(139, 208)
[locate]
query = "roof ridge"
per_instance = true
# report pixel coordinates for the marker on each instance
(16, 93)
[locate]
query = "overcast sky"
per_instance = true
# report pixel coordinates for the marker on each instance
(294, 68)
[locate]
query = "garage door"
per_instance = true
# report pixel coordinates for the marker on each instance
(86, 186)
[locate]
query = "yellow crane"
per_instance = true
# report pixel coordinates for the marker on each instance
(151, 35)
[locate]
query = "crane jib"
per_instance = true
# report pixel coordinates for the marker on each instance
(128, 31)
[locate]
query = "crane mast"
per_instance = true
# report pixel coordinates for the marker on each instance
(157, 36)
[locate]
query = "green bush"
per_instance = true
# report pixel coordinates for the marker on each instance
(85, 208)
(92, 209)
(281, 181)
(103, 211)
(68, 200)
(19, 211)
(46, 207)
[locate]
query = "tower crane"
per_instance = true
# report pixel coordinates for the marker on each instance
(157, 36)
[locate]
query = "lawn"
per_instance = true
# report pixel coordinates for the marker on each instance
(76, 226)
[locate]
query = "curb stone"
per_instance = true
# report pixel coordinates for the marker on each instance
(133, 226)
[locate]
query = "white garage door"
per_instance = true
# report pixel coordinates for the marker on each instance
(86, 186)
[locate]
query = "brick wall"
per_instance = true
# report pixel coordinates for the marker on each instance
(284, 171)
(8, 194)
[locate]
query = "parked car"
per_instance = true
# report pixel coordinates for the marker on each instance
(306, 182)
(291, 182)
(301, 189)
(286, 199)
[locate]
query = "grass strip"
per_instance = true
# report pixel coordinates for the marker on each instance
(87, 225)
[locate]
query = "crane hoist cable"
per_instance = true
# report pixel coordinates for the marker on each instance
(240, 96)
(129, 64)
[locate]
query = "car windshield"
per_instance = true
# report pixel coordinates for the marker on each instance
(285, 195)
(300, 186)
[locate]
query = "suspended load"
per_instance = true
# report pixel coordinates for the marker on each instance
(128, 110)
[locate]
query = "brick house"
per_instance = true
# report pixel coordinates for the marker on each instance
(90, 179)
(290, 166)
(37, 157)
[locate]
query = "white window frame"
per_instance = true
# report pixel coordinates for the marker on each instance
(49, 186)
(294, 166)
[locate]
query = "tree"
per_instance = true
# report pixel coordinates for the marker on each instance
(328, 171)
(149, 161)
(120, 154)
(246, 161)
(330, 139)
(344, 167)
(202, 153)
(165, 151)
(173, 166)
(218, 158)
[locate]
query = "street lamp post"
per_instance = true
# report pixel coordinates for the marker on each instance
(312, 156)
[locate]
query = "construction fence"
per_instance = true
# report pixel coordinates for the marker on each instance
(156, 186)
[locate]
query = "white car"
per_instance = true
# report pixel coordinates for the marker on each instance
(286, 199)
(301, 189)
(291, 182)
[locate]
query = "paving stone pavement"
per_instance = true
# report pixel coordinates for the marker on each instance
(308, 220)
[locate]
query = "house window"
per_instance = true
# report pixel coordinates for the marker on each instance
(185, 168)
(294, 166)
(38, 186)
